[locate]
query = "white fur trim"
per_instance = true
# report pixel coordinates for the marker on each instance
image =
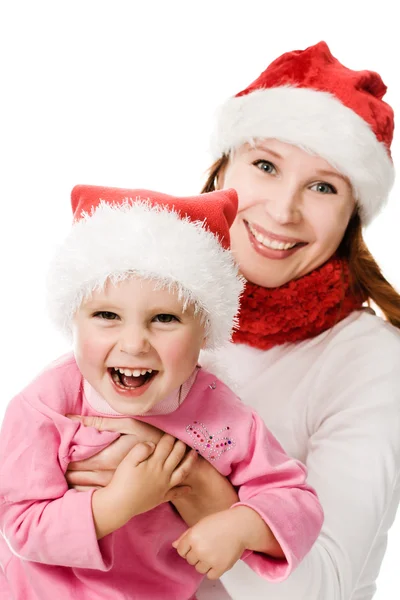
(115, 242)
(317, 122)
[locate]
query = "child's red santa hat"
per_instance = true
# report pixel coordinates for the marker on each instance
(309, 99)
(181, 243)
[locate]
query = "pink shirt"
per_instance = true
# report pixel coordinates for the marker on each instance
(48, 547)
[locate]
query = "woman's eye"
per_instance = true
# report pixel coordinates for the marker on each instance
(165, 318)
(265, 165)
(323, 188)
(105, 314)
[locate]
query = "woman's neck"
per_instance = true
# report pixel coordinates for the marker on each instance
(301, 309)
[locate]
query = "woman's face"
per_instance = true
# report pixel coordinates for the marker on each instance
(293, 210)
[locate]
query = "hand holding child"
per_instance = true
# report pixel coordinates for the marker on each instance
(148, 476)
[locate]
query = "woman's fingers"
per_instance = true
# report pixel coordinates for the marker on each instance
(86, 488)
(77, 479)
(125, 425)
(177, 492)
(119, 425)
(107, 459)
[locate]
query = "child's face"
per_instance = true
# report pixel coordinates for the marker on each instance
(135, 328)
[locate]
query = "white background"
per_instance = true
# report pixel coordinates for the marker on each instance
(122, 94)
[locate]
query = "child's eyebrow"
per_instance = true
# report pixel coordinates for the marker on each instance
(166, 309)
(93, 305)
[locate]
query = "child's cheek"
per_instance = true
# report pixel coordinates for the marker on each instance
(181, 354)
(87, 347)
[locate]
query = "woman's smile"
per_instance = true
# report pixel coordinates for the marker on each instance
(271, 245)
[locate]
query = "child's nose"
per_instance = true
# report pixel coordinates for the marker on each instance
(135, 341)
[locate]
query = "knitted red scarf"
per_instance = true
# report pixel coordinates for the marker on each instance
(298, 310)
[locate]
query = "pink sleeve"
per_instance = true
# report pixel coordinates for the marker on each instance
(274, 485)
(41, 519)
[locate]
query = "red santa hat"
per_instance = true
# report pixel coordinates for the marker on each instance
(179, 242)
(309, 99)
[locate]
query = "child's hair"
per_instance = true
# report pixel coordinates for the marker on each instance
(366, 275)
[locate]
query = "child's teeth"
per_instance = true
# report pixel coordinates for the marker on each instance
(133, 372)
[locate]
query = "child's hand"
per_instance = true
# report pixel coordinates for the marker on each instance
(216, 542)
(146, 477)
(213, 545)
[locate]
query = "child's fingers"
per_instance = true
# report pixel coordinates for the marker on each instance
(214, 574)
(202, 567)
(191, 557)
(184, 468)
(176, 543)
(175, 456)
(182, 544)
(164, 448)
(140, 453)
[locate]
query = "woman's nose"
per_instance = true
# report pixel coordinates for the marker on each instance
(284, 206)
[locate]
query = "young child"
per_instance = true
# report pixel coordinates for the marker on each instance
(143, 282)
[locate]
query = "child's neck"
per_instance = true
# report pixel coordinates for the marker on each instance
(168, 405)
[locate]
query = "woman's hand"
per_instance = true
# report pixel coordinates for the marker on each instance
(97, 471)
(210, 492)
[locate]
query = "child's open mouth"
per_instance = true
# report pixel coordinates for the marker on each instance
(130, 379)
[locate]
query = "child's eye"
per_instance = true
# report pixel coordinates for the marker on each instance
(165, 318)
(323, 188)
(266, 166)
(106, 314)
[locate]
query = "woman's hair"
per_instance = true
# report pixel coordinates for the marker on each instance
(367, 278)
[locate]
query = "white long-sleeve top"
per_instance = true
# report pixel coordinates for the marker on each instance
(333, 402)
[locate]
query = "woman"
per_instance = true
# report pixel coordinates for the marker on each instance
(307, 147)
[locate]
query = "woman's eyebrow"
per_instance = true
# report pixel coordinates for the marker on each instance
(260, 146)
(328, 173)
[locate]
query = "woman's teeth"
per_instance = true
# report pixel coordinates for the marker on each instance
(133, 372)
(268, 243)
